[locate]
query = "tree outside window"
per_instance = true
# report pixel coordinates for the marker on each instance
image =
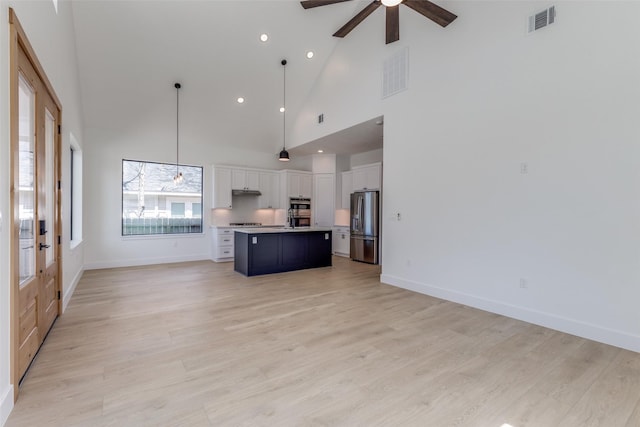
(153, 204)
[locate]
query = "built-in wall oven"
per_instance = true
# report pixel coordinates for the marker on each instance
(299, 214)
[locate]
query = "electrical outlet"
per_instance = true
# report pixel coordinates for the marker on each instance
(523, 283)
(524, 168)
(398, 216)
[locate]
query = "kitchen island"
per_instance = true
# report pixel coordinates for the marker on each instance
(275, 250)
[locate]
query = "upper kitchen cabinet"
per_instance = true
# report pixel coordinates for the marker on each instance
(367, 177)
(269, 186)
(245, 179)
(347, 189)
(298, 184)
(221, 187)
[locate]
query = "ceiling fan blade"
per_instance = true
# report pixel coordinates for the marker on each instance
(432, 11)
(368, 10)
(393, 24)
(308, 4)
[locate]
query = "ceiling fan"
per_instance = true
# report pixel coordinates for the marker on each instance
(430, 10)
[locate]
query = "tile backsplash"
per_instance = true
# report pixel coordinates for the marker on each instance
(245, 209)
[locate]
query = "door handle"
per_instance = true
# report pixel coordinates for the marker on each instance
(43, 246)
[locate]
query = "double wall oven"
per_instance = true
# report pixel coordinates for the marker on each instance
(299, 214)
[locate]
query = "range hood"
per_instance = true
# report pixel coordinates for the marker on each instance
(246, 193)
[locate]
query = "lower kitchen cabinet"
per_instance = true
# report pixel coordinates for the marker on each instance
(222, 244)
(276, 252)
(341, 236)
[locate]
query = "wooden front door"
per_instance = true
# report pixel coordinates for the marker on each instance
(36, 210)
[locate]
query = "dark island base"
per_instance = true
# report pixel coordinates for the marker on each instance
(266, 253)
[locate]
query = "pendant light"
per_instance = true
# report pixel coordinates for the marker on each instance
(284, 154)
(391, 3)
(178, 178)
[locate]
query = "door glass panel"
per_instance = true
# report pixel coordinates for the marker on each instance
(26, 178)
(49, 186)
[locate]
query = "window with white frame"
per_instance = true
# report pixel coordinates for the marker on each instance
(152, 203)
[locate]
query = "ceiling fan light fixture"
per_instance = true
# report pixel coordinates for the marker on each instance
(425, 8)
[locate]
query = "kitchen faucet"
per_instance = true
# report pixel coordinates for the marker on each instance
(290, 218)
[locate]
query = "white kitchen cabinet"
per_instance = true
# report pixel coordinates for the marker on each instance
(367, 177)
(324, 199)
(269, 186)
(244, 179)
(300, 184)
(347, 189)
(341, 241)
(295, 184)
(222, 244)
(221, 187)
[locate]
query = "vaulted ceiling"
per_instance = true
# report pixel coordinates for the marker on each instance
(130, 53)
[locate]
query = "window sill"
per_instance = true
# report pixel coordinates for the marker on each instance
(74, 244)
(163, 236)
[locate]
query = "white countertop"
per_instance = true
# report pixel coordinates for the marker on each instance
(235, 227)
(264, 230)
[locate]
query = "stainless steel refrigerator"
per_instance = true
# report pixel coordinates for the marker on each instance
(365, 212)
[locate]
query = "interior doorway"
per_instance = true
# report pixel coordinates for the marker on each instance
(35, 199)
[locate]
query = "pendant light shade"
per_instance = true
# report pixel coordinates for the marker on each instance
(284, 154)
(178, 178)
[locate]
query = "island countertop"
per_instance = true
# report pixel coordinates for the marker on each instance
(281, 230)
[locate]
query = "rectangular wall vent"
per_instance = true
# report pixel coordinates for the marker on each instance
(542, 19)
(395, 73)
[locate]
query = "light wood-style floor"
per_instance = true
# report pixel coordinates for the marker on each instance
(196, 344)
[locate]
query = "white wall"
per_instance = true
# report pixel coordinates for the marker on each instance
(484, 98)
(366, 158)
(52, 38)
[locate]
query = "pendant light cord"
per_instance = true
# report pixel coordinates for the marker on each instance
(177, 126)
(284, 104)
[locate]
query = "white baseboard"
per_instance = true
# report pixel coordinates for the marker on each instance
(69, 293)
(135, 262)
(549, 320)
(6, 404)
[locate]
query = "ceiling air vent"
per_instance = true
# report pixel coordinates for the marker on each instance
(542, 19)
(395, 74)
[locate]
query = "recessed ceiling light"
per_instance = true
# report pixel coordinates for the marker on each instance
(320, 151)
(264, 37)
(240, 100)
(282, 109)
(310, 54)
